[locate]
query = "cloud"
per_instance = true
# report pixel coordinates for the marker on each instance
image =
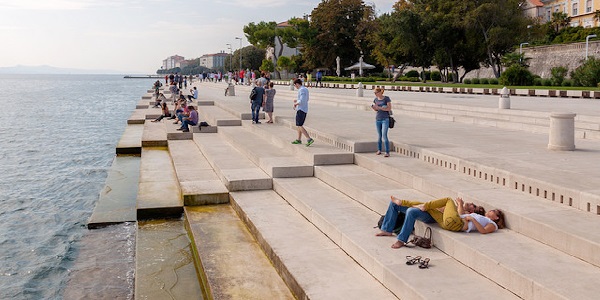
(66, 4)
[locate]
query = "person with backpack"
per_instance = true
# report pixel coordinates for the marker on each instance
(257, 97)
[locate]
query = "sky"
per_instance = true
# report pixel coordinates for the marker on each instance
(133, 36)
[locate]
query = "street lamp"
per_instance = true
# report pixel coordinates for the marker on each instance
(521, 50)
(587, 42)
(230, 55)
(239, 38)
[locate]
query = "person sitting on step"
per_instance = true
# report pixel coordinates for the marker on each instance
(192, 119)
(165, 112)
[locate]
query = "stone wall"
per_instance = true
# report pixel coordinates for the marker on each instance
(544, 58)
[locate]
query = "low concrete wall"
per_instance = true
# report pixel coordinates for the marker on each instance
(544, 58)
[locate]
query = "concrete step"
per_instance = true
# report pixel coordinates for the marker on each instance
(117, 200)
(174, 134)
(319, 153)
(532, 217)
(138, 116)
(274, 160)
(164, 268)
(217, 116)
(514, 257)
(235, 170)
(230, 262)
(155, 134)
(159, 195)
(350, 226)
(131, 140)
(199, 183)
(312, 266)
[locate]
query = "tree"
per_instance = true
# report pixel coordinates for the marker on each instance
(265, 34)
(560, 20)
(500, 23)
(251, 57)
(285, 64)
(340, 28)
(267, 66)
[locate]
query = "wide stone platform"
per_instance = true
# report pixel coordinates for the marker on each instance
(311, 210)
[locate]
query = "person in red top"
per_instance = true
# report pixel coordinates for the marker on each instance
(242, 76)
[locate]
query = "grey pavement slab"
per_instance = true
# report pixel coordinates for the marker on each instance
(217, 116)
(138, 116)
(274, 160)
(117, 200)
(312, 266)
(159, 194)
(198, 181)
(155, 134)
(164, 268)
(131, 140)
(232, 264)
(235, 170)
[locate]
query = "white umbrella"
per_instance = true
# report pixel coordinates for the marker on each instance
(360, 66)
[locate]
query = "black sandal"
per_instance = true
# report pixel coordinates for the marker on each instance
(424, 264)
(413, 260)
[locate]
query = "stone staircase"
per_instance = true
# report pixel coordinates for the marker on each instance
(311, 210)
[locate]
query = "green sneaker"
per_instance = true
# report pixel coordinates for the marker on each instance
(296, 142)
(309, 142)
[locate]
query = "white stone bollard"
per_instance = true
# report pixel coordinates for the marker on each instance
(562, 132)
(504, 101)
(230, 90)
(359, 90)
(291, 84)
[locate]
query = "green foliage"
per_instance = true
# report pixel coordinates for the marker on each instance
(537, 81)
(494, 81)
(267, 66)
(436, 76)
(567, 82)
(467, 81)
(251, 58)
(412, 73)
(547, 82)
(559, 74)
(588, 74)
(475, 81)
(516, 76)
(484, 81)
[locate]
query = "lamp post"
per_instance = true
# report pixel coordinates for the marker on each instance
(587, 42)
(521, 50)
(239, 38)
(230, 54)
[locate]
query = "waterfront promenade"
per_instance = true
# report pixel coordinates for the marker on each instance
(304, 216)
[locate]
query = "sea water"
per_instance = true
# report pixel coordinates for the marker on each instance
(58, 135)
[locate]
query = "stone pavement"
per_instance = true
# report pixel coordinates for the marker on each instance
(316, 227)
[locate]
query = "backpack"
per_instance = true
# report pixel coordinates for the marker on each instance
(397, 226)
(253, 94)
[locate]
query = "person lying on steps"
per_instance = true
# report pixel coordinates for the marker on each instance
(466, 217)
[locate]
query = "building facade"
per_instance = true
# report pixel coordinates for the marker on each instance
(214, 61)
(172, 62)
(581, 12)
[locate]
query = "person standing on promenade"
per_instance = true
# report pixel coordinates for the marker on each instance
(257, 101)
(191, 119)
(319, 78)
(301, 107)
(174, 91)
(268, 104)
(382, 105)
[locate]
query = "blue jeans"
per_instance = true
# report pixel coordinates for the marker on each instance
(412, 214)
(382, 129)
(185, 123)
(255, 110)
